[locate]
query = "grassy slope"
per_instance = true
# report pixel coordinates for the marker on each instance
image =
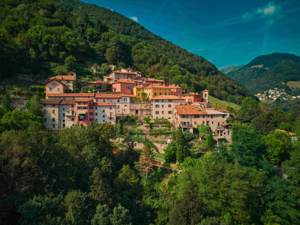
(220, 104)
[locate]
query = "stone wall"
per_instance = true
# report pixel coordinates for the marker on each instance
(140, 109)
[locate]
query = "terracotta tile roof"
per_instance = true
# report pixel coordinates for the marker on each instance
(284, 131)
(83, 99)
(125, 95)
(62, 77)
(156, 87)
(204, 103)
(173, 86)
(50, 101)
(67, 102)
(174, 97)
(190, 110)
(224, 124)
(108, 78)
(72, 95)
(103, 104)
(124, 81)
(190, 94)
(108, 96)
(154, 80)
(99, 82)
(55, 81)
(138, 87)
(133, 73)
(223, 110)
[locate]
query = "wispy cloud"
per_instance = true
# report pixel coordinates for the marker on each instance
(247, 16)
(156, 14)
(270, 13)
(134, 18)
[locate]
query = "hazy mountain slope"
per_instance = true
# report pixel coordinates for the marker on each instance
(268, 71)
(231, 68)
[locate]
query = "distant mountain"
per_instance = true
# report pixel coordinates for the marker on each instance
(268, 71)
(231, 68)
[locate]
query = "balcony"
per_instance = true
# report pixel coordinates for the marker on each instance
(220, 128)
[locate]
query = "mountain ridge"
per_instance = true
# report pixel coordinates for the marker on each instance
(268, 71)
(230, 68)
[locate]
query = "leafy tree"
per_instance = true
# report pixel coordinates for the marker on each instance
(105, 87)
(203, 130)
(279, 146)
(34, 106)
(188, 136)
(250, 109)
(102, 215)
(120, 215)
(107, 70)
(70, 63)
(147, 119)
(210, 141)
(127, 182)
(144, 96)
(100, 191)
(146, 161)
(7, 104)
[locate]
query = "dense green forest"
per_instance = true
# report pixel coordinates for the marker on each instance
(277, 68)
(228, 69)
(79, 177)
(41, 38)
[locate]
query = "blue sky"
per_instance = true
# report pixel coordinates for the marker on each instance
(225, 32)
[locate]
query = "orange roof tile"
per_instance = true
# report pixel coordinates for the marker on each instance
(108, 77)
(173, 86)
(131, 96)
(223, 110)
(174, 97)
(190, 110)
(50, 101)
(124, 81)
(99, 82)
(224, 124)
(289, 133)
(103, 104)
(67, 102)
(138, 87)
(134, 73)
(108, 96)
(83, 99)
(72, 95)
(204, 103)
(62, 77)
(190, 94)
(56, 81)
(156, 87)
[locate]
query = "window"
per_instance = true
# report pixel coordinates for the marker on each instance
(156, 112)
(195, 122)
(125, 99)
(103, 116)
(169, 106)
(103, 121)
(196, 116)
(103, 100)
(131, 90)
(53, 105)
(123, 86)
(91, 119)
(156, 100)
(57, 89)
(63, 109)
(169, 118)
(68, 81)
(64, 125)
(212, 122)
(85, 103)
(44, 105)
(63, 115)
(53, 119)
(203, 116)
(212, 116)
(45, 111)
(118, 100)
(123, 90)
(223, 116)
(154, 94)
(96, 120)
(45, 120)
(91, 107)
(63, 121)
(170, 101)
(138, 94)
(170, 112)
(96, 107)
(53, 125)
(162, 112)
(50, 89)
(156, 106)
(127, 86)
(103, 110)
(53, 111)
(162, 100)
(207, 123)
(109, 107)
(111, 101)
(79, 103)
(91, 113)
(218, 123)
(162, 106)
(130, 85)
(203, 122)
(159, 93)
(53, 84)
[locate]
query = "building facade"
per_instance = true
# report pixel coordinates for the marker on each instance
(51, 114)
(123, 86)
(162, 106)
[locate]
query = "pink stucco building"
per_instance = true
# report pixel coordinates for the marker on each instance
(123, 86)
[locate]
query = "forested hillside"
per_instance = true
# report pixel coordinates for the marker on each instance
(40, 37)
(268, 71)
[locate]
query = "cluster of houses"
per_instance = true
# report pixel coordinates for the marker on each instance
(63, 108)
(274, 94)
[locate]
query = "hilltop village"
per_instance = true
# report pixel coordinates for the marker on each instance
(130, 93)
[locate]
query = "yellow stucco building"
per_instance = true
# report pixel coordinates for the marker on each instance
(157, 90)
(137, 91)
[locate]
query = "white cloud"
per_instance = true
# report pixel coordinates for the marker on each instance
(134, 18)
(271, 13)
(247, 16)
